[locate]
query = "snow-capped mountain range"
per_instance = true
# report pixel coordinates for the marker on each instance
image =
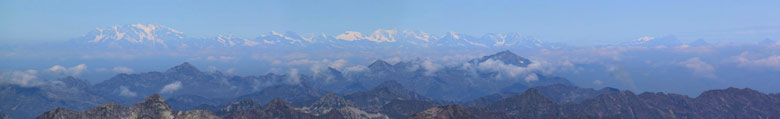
(162, 37)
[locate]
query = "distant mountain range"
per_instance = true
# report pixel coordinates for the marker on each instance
(159, 37)
(401, 90)
(151, 36)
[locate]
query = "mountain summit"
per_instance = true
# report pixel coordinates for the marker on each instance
(133, 35)
(380, 66)
(184, 68)
(507, 57)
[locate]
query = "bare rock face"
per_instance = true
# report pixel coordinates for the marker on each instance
(530, 104)
(276, 109)
(332, 106)
(61, 113)
(373, 100)
(153, 107)
(328, 103)
(724, 103)
(445, 112)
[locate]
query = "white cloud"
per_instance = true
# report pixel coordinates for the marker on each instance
(293, 79)
(512, 71)
(700, 68)
(171, 87)
(393, 60)
(22, 78)
(268, 42)
(122, 70)
(430, 67)
(621, 75)
(72, 71)
(226, 58)
(57, 68)
(211, 58)
(338, 64)
(123, 91)
(211, 69)
(307, 62)
(597, 82)
(358, 68)
(768, 62)
(645, 39)
(276, 62)
(531, 77)
(220, 58)
(230, 71)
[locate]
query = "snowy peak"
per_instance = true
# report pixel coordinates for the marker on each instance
(378, 36)
(655, 41)
(151, 36)
(147, 34)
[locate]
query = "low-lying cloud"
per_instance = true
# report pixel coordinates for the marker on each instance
(700, 68)
(71, 71)
(120, 69)
(22, 78)
(772, 61)
(170, 88)
(512, 71)
(124, 91)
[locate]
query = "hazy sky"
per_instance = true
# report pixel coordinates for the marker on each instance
(576, 22)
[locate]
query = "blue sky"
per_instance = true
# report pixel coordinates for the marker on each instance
(575, 22)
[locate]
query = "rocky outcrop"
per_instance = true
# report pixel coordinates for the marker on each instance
(153, 107)
(445, 112)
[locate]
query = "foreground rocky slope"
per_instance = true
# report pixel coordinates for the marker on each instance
(153, 107)
(713, 104)
(723, 103)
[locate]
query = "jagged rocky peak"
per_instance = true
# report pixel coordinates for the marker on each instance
(5, 116)
(327, 103)
(276, 104)
(380, 66)
(532, 92)
(60, 113)
(445, 112)
(391, 84)
(73, 82)
(729, 92)
(154, 101)
(240, 105)
(394, 88)
(609, 89)
(184, 68)
(153, 107)
(507, 57)
(333, 101)
(334, 71)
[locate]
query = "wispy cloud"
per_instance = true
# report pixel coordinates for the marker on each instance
(121, 69)
(71, 71)
(124, 91)
(772, 61)
(700, 68)
(22, 78)
(170, 88)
